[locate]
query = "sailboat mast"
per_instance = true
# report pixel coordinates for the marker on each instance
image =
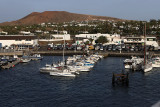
(64, 49)
(145, 44)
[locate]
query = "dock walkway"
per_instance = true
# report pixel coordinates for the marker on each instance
(10, 64)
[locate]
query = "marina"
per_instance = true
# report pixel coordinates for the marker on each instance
(25, 80)
(79, 53)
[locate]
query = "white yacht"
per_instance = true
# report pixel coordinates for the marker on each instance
(25, 60)
(79, 66)
(147, 67)
(49, 68)
(128, 64)
(134, 63)
(36, 57)
(63, 73)
(156, 62)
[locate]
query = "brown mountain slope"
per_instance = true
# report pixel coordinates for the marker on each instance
(55, 16)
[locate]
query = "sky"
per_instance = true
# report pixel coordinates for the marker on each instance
(11, 10)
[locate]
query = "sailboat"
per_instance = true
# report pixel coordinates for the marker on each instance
(147, 66)
(64, 72)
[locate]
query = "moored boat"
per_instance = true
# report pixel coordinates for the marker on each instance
(63, 73)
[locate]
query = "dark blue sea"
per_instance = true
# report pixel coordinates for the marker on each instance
(25, 86)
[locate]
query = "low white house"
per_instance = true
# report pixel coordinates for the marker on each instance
(2, 32)
(112, 38)
(57, 37)
(25, 32)
(61, 37)
(8, 40)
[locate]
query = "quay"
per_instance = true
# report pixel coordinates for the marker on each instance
(18, 53)
(104, 53)
(68, 52)
(59, 52)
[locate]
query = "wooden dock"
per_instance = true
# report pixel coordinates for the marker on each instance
(10, 65)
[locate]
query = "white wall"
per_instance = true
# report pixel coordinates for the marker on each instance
(153, 43)
(111, 37)
(10, 42)
(62, 37)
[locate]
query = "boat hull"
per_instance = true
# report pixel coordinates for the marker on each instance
(61, 74)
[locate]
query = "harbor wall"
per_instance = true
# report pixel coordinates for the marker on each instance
(60, 53)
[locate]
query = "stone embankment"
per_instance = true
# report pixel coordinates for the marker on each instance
(67, 52)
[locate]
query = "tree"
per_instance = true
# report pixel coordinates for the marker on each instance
(102, 39)
(86, 43)
(91, 40)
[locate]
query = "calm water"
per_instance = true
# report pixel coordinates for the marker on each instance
(24, 85)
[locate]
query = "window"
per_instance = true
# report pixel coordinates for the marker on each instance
(28, 39)
(151, 39)
(18, 40)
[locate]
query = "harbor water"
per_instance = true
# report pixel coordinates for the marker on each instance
(25, 86)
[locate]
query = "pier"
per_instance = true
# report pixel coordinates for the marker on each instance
(10, 64)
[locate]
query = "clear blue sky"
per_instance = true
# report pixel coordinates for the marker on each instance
(126, 9)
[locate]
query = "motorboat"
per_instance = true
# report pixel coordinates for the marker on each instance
(156, 62)
(36, 57)
(25, 60)
(147, 67)
(50, 68)
(128, 64)
(79, 66)
(63, 73)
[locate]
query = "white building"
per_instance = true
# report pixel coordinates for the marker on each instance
(112, 38)
(63, 32)
(25, 32)
(8, 40)
(140, 40)
(38, 31)
(3, 33)
(61, 37)
(57, 37)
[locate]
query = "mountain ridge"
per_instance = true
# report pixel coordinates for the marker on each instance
(57, 17)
